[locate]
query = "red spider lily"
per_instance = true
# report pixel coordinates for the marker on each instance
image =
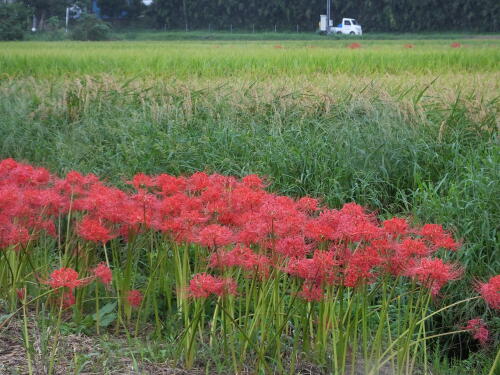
(253, 181)
(434, 273)
(242, 257)
(134, 298)
(455, 45)
(140, 180)
(293, 247)
(103, 273)
(361, 265)
(64, 277)
(312, 292)
(218, 211)
(479, 330)
(197, 182)
(23, 174)
(354, 46)
(323, 267)
(12, 235)
(307, 204)
(438, 237)
(408, 45)
(92, 230)
(413, 248)
(170, 185)
(396, 226)
(490, 292)
(203, 285)
(76, 179)
(215, 235)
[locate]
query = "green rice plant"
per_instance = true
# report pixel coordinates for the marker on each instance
(249, 59)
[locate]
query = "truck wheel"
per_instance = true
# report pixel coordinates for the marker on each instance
(352, 33)
(339, 32)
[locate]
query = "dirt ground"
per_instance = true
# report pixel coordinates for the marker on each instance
(86, 355)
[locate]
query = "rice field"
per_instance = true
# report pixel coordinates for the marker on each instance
(249, 59)
(275, 206)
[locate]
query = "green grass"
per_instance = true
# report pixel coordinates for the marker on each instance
(402, 131)
(242, 34)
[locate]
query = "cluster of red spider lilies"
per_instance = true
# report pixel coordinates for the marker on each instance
(246, 233)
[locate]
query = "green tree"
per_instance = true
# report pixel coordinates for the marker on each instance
(13, 21)
(44, 9)
(115, 9)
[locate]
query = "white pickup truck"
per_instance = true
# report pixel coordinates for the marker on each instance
(349, 26)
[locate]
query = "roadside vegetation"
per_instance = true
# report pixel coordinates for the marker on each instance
(404, 128)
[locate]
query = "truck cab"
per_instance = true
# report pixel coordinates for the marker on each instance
(349, 26)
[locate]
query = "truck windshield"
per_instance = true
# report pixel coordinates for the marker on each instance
(354, 22)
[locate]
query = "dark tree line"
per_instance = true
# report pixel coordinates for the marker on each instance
(374, 15)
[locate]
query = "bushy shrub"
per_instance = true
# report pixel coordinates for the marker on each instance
(89, 27)
(53, 24)
(13, 21)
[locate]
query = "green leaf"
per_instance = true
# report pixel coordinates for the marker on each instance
(106, 309)
(107, 320)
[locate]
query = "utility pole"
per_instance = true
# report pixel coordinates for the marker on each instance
(67, 19)
(184, 9)
(328, 15)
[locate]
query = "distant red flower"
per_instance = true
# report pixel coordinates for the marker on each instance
(434, 273)
(455, 45)
(203, 285)
(490, 292)
(479, 330)
(64, 277)
(277, 46)
(92, 230)
(354, 46)
(409, 45)
(134, 297)
(103, 272)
